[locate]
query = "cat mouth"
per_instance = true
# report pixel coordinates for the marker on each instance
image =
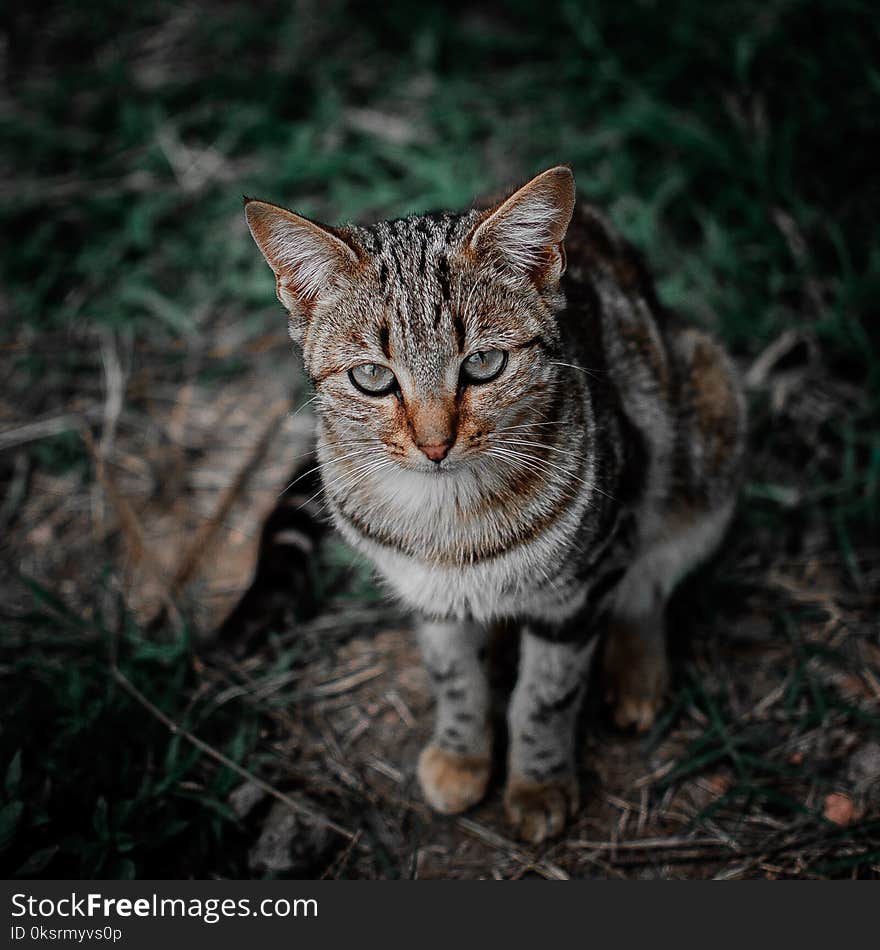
(443, 467)
(431, 469)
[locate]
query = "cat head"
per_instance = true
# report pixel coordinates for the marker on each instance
(427, 334)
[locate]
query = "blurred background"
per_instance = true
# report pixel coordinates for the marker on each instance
(151, 412)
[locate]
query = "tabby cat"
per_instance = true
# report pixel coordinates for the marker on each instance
(510, 438)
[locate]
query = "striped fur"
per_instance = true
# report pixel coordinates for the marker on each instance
(585, 480)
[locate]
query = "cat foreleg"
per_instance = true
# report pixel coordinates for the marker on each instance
(454, 767)
(542, 788)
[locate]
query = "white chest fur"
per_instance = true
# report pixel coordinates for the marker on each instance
(515, 582)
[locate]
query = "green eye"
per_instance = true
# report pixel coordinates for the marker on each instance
(373, 379)
(483, 366)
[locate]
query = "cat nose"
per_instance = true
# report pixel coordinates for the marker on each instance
(436, 451)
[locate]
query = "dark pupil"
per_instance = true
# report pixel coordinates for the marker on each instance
(370, 369)
(480, 359)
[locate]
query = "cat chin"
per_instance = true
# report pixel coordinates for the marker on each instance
(431, 471)
(417, 491)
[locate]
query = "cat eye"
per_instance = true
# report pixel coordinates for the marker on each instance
(373, 379)
(483, 366)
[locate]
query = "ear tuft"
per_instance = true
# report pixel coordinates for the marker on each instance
(527, 230)
(305, 256)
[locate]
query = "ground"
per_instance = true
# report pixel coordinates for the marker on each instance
(152, 410)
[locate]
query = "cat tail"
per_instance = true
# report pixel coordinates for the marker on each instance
(283, 587)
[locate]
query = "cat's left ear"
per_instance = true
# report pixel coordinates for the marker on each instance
(527, 230)
(308, 258)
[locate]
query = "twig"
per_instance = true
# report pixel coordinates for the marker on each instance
(346, 684)
(383, 768)
(643, 844)
(218, 756)
(48, 427)
(114, 397)
(401, 708)
(872, 682)
(114, 387)
(337, 865)
(658, 773)
(545, 868)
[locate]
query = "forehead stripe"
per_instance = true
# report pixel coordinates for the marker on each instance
(385, 340)
(443, 276)
(458, 326)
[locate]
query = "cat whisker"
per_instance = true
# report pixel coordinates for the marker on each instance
(529, 425)
(558, 468)
(356, 478)
(580, 369)
(519, 463)
(363, 471)
(307, 403)
(350, 442)
(573, 455)
(303, 455)
(531, 462)
(542, 445)
(315, 468)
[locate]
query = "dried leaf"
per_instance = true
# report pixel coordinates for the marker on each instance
(839, 808)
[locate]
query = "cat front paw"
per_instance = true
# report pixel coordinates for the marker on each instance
(539, 810)
(452, 783)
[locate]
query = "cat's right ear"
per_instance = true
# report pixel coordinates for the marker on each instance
(308, 258)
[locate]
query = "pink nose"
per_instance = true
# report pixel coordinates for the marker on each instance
(436, 451)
